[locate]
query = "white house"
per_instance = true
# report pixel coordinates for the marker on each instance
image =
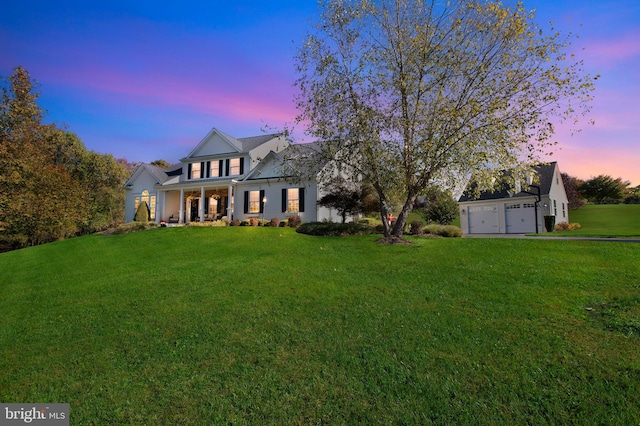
(515, 212)
(226, 177)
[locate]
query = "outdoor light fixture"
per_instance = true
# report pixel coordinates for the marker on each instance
(264, 204)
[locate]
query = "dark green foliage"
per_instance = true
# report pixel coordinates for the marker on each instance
(335, 229)
(441, 208)
(143, 213)
(633, 196)
(604, 189)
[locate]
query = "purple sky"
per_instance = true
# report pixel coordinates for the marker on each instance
(147, 80)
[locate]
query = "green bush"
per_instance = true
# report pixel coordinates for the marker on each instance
(334, 229)
(448, 231)
(143, 213)
(443, 210)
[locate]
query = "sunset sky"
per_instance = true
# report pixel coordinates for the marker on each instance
(148, 80)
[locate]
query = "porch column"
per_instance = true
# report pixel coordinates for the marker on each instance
(230, 202)
(201, 206)
(181, 219)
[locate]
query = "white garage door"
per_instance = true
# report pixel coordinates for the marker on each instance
(483, 219)
(520, 218)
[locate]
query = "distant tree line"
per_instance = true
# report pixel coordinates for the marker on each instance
(601, 189)
(51, 186)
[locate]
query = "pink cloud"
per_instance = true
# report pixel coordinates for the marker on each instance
(611, 52)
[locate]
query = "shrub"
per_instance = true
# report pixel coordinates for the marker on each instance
(448, 231)
(294, 221)
(415, 228)
(442, 210)
(334, 229)
(143, 213)
(564, 226)
(253, 221)
(275, 222)
(213, 223)
(130, 227)
(234, 222)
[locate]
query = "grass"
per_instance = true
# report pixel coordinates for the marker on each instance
(605, 220)
(246, 325)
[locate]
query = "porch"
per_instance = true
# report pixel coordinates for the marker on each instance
(197, 204)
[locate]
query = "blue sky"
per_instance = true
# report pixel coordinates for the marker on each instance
(147, 80)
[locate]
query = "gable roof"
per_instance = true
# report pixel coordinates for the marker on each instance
(158, 173)
(545, 173)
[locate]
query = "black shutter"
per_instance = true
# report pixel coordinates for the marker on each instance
(301, 200)
(262, 201)
(220, 167)
(189, 171)
(242, 165)
(208, 169)
(202, 169)
(226, 167)
(206, 205)
(284, 200)
(246, 202)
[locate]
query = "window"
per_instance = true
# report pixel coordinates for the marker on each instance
(254, 201)
(528, 205)
(234, 167)
(292, 200)
(555, 208)
(215, 169)
(195, 171)
(564, 212)
(149, 199)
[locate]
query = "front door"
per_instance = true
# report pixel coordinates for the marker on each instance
(194, 210)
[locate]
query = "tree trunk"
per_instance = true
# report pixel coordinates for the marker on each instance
(401, 221)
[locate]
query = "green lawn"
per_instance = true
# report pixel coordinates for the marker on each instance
(244, 325)
(605, 220)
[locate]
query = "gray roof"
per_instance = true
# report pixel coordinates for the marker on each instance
(545, 174)
(158, 172)
(255, 141)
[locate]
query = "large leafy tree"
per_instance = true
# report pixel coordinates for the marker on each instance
(409, 93)
(604, 188)
(51, 187)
